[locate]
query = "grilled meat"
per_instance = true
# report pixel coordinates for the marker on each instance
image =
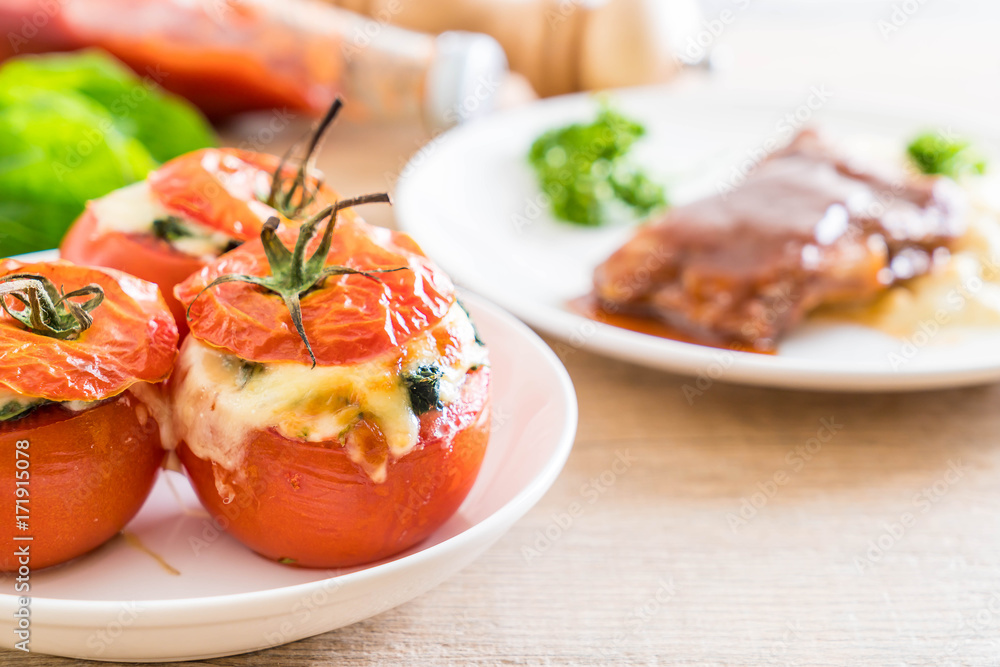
(809, 227)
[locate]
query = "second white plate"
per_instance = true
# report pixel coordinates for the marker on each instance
(470, 199)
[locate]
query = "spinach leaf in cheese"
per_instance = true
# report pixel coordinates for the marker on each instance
(424, 386)
(16, 409)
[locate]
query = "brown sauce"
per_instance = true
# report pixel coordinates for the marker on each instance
(589, 307)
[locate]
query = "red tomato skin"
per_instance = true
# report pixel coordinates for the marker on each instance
(90, 472)
(351, 319)
(309, 505)
(140, 255)
(219, 188)
(133, 338)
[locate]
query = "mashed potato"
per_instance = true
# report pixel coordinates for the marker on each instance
(962, 291)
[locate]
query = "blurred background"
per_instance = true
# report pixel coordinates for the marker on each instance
(260, 71)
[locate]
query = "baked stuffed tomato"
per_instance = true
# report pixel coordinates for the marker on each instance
(195, 208)
(332, 400)
(80, 352)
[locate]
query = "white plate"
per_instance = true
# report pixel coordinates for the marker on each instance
(470, 199)
(118, 603)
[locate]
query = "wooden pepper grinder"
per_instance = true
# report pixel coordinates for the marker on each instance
(561, 46)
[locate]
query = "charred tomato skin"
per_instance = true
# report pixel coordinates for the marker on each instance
(215, 187)
(89, 473)
(310, 505)
(132, 338)
(349, 320)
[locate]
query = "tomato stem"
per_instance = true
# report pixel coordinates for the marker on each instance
(293, 275)
(46, 310)
(284, 188)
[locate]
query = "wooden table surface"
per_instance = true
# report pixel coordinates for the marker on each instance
(749, 526)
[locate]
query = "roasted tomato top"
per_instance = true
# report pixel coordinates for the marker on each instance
(348, 318)
(225, 189)
(133, 338)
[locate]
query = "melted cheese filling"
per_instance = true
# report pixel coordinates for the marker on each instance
(10, 399)
(132, 210)
(220, 399)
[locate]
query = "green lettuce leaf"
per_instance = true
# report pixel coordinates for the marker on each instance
(75, 127)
